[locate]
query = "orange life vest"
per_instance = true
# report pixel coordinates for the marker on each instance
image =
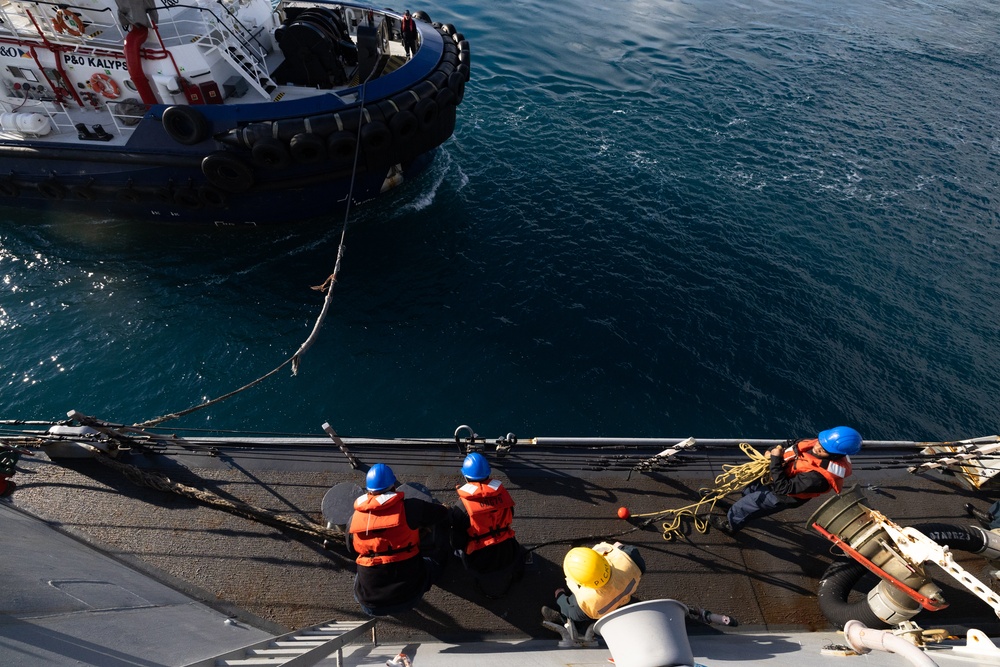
(491, 513)
(407, 26)
(379, 532)
(834, 471)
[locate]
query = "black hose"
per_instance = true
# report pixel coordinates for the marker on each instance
(842, 575)
(834, 589)
(955, 537)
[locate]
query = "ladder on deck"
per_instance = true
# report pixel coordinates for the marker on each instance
(257, 75)
(296, 649)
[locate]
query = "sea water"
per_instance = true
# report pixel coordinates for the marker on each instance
(714, 218)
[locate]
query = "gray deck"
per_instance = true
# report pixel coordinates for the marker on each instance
(64, 603)
(229, 566)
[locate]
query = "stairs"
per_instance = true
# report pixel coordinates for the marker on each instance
(257, 74)
(295, 649)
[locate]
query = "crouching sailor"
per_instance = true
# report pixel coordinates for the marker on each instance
(482, 531)
(600, 579)
(385, 534)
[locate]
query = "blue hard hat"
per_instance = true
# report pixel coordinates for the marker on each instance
(840, 440)
(379, 478)
(476, 467)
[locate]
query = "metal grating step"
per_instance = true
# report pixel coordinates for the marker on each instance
(295, 649)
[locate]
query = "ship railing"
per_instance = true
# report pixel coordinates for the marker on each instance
(183, 24)
(96, 32)
(120, 121)
(240, 45)
(63, 24)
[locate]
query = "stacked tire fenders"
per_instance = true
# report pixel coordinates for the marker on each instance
(391, 131)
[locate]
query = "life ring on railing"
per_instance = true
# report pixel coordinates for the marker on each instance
(69, 22)
(105, 85)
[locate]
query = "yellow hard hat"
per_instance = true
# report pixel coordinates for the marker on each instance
(586, 567)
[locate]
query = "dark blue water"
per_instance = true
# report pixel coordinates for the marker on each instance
(721, 219)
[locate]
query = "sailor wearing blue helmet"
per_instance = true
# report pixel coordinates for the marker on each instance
(384, 535)
(482, 530)
(802, 470)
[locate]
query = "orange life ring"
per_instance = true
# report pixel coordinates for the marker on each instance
(105, 85)
(69, 22)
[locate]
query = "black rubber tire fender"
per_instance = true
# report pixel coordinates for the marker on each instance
(84, 192)
(341, 146)
(270, 153)
(426, 112)
(404, 127)
(212, 197)
(445, 98)
(185, 125)
(456, 84)
(52, 190)
(376, 140)
(227, 172)
(128, 194)
(307, 148)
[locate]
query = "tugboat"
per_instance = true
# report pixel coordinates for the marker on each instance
(219, 111)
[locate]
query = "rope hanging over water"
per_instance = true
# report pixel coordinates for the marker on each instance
(734, 478)
(326, 287)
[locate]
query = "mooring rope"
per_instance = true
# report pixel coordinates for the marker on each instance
(326, 287)
(733, 478)
(161, 482)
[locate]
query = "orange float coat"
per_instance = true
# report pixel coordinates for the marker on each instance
(491, 513)
(800, 459)
(379, 530)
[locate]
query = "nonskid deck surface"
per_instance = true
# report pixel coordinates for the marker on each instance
(67, 604)
(767, 578)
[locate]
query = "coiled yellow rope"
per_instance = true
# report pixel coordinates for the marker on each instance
(733, 478)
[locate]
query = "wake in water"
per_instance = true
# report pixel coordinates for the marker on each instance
(747, 220)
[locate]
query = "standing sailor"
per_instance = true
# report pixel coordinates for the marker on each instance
(805, 469)
(385, 534)
(408, 30)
